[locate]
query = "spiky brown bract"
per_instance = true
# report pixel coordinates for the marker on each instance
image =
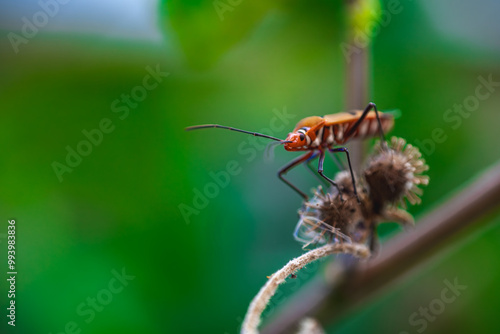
(395, 173)
(329, 217)
(346, 213)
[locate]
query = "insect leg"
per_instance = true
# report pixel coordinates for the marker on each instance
(312, 169)
(289, 166)
(344, 149)
(320, 171)
(368, 108)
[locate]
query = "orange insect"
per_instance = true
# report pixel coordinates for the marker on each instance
(318, 134)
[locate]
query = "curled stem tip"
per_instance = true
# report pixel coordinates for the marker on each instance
(260, 301)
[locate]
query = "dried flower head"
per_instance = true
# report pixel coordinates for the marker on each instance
(395, 173)
(329, 217)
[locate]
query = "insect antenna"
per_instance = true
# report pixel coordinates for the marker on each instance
(205, 126)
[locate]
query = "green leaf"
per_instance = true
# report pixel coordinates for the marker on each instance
(207, 29)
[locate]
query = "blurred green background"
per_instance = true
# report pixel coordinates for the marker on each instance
(235, 63)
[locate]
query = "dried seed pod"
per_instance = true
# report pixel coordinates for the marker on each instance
(328, 217)
(394, 173)
(317, 225)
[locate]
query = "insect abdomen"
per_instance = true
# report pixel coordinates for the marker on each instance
(367, 129)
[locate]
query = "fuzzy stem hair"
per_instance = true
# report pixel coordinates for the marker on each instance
(260, 301)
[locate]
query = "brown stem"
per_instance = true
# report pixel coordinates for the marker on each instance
(357, 85)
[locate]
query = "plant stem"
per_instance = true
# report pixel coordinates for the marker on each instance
(357, 81)
(260, 301)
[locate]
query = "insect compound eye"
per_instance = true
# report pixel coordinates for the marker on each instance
(302, 136)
